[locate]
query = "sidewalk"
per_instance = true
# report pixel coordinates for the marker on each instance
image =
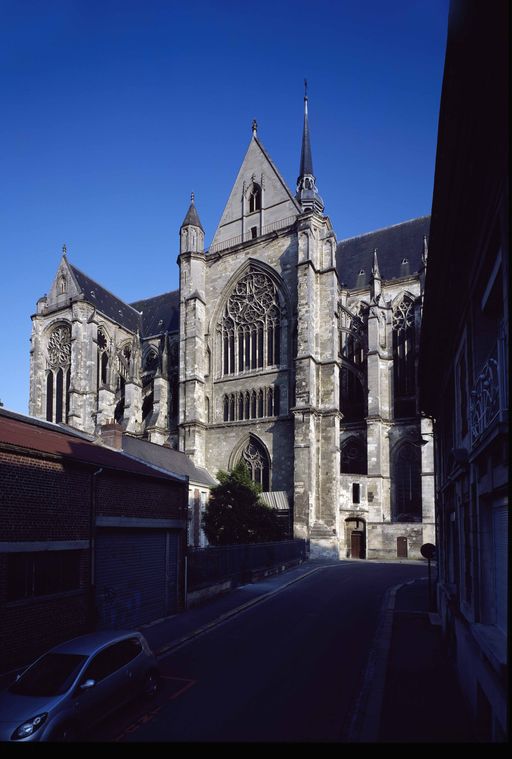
(422, 701)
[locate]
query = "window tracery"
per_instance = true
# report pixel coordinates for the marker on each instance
(59, 374)
(254, 198)
(257, 461)
(251, 325)
(353, 457)
(404, 358)
(353, 351)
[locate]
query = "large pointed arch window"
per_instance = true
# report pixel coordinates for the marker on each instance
(58, 374)
(353, 352)
(257, 460)
(251, 325)
(406, 483)
(404, 358)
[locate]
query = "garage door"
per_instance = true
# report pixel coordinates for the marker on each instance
(136, 576)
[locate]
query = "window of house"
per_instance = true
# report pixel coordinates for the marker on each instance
(254, 233)
(356, 492)
(463, 394)
(42, 573)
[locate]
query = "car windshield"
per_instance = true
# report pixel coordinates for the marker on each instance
(51, 675)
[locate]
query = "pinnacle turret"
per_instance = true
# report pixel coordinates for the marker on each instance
(307, 193)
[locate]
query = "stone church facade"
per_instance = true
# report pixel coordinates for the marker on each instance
(283, 346)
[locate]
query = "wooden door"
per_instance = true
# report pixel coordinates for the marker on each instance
(401, 547)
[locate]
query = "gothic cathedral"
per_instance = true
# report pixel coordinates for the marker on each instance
(283, 347)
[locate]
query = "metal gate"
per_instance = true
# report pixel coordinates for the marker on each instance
(136, 576)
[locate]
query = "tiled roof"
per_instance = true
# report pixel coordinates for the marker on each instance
(160, 313)
(394, 244)
(28, 433)
(168, 459)
(109, 305)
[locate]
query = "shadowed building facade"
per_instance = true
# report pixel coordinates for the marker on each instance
(283, 347)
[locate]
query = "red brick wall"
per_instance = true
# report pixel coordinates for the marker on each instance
(42, 500)
(130, 496)
(29, 628)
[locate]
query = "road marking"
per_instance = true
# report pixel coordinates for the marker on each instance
(147, 717)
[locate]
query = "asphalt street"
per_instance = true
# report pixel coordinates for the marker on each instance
(289, 668)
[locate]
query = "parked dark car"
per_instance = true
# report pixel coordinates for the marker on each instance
(77, 684)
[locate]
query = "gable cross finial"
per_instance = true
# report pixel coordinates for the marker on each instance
(192, 197)
(305, 89)
(64, 249)
(254, 127)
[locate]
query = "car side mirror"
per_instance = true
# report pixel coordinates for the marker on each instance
(88, 684)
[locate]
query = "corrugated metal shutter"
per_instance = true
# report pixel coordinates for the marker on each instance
(500, 532)
(136, 576)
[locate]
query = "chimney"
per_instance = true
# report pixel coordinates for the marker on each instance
(111, 434)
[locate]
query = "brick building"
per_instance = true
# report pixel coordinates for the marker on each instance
(89, 537)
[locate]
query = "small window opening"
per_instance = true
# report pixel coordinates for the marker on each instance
(254, 233)
(356, 492)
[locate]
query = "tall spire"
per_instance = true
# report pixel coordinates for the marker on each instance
(307, 193)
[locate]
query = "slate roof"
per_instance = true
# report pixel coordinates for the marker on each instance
(172, 461)
(393, 244)
(106, 302)
(192, 217)
(159, 314)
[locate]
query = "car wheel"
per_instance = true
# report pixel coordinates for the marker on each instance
(150, 685)
(66, 733)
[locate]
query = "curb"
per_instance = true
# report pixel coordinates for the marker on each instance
(231, 613)
(365, 723)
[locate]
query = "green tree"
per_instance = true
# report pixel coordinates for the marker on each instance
(235, 514)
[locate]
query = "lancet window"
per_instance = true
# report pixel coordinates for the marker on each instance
(254, 198)
(102, 364)
(353, 353)
(58, 374)
(404, 358)
(406, 483)
(251, 325)
(251, 404)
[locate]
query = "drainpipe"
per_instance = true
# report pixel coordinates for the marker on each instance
(92, 552)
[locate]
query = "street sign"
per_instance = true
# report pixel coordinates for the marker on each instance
(428, 550)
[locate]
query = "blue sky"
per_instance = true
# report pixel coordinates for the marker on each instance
(113, 111)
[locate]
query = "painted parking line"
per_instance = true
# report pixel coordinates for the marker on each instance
(147, 717)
